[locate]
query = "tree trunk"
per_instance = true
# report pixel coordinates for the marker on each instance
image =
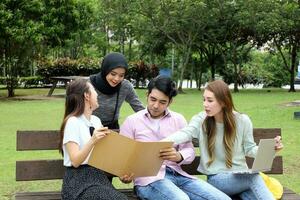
(236, 89)
(172, 64)
(106, 50)
(130, 50)
(186, 57)
(11, 92)
(211, 61)
(234, 61)
(199, 80)
(292, 71)
(180, 77)
(11, 82)
(199, 73)
(122, 42)
(191, 76)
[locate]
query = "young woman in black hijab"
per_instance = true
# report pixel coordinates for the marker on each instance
(113, 90)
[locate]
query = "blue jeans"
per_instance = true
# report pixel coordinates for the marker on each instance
(177, 187)
(247, 186)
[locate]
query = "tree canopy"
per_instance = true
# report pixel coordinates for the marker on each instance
(193, 37)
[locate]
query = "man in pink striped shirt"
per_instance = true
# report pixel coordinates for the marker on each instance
(153, 124)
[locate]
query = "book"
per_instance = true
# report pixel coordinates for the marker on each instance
(120, 155)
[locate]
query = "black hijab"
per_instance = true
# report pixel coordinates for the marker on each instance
(110, 62)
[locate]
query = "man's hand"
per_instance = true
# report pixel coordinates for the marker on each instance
(170, 154)
(127, 178)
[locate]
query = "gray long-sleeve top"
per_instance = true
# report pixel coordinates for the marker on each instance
(107, 103)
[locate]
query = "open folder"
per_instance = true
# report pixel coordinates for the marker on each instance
(120, 155)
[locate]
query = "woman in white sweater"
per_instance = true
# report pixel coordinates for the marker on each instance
(225, 138)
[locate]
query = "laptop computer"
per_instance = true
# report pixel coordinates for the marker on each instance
(264, 157)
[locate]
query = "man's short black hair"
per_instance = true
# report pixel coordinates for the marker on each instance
(163, 84)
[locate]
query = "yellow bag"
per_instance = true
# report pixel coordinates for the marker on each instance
(274, 185)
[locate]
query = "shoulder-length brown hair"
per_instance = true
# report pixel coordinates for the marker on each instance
(74, 104)
(223, 96)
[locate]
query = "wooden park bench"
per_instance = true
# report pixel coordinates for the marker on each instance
(30, 170)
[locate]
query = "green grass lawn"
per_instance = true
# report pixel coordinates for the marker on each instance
(266, 109)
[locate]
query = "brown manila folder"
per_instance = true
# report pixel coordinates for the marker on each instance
(120, 155)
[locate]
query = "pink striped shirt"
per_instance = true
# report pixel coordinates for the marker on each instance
(141, 127)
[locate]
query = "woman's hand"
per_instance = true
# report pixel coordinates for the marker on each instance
(99, 134)
(127, 178)
(278, 143)
(170, 154)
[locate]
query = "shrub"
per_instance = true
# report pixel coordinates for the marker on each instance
(140, 72)
(31, 81)
(2, 80)
(66, 67)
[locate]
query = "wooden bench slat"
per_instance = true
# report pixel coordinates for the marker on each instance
(53, 169)
(258, 133)
(37, 140)
(287, 195)
(48, 139)
(38, 195)
(277, 167)
(265, 133)
(56, 195)
(39, 170)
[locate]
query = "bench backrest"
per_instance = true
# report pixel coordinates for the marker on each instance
(53, 169)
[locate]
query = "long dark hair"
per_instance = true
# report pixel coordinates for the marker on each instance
(223, 96)
(74, 104)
